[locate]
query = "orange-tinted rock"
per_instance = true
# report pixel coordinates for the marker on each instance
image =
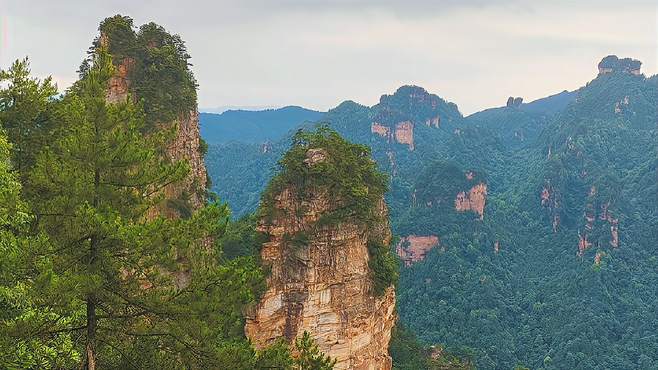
(474, 201)
(597, 258)
(414, 248)
(404, 133)
(323, 286)
(119, 84)
(583, 244)
(185, 146)
(545, 196)
(381, 130)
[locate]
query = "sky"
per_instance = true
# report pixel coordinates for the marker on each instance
(318, 53)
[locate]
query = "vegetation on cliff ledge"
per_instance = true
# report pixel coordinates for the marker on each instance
(157, 66)
(321, 160)
(91, 277)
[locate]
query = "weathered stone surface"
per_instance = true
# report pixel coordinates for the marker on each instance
(119, 84)
(184, 146)
(323, 285)
(475, 200)
(381, 130)
(314, 156)
(404, 133)
(413, 248)
(513, 102)
(612, 64)
(433, 122)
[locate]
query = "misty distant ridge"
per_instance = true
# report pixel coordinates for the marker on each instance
(253, 124)
(223, 108)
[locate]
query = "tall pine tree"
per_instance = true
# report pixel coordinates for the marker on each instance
(96, 184)
(26, 106)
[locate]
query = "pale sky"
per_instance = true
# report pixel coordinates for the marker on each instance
(318, 53)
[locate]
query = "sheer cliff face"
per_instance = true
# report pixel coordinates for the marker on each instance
(184, 146)
(474, 200)
(320, 282)
(414, 248)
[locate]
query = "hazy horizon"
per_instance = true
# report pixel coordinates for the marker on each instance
(317, 54)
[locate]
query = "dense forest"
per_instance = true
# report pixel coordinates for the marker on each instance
(524, 235)
(556, 269)
(258, 127)
(101, 267)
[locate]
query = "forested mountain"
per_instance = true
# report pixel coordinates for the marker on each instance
(253, 126)
(527, 232)
(112, 247)
(400, 235)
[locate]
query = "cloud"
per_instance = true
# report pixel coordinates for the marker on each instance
(318, 53)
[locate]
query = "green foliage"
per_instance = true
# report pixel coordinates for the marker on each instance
(277, 356)
(117, 36)
(96, 271)
(409, 354)
(354, 184)
(241, 238)
(26, 106)
(309, 356)
(347, 171)
(384, 267)
(405, 349)
(140, 291)
(203, 147)
(162, 77)
(157, 64)
(536, 298)
(23, 342)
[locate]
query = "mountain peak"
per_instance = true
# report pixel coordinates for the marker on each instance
(612, 64)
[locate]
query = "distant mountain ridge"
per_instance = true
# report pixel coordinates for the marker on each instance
(253, 126)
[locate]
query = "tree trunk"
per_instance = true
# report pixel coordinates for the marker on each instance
(91, 297)
(91, 332)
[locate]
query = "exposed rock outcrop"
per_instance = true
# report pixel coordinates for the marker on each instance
(612, 64)
(550, 202)
(475, 200)
(433, 122)
(404, 133)
(413, 248)
(513, 102)
(119, 85)
(381, 130)
(183, 197)
(184, 146)
(320, 280)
